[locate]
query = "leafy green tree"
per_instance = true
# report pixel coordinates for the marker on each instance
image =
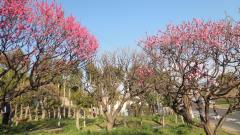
(82, 102)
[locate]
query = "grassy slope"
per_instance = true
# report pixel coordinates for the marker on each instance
(96, 127)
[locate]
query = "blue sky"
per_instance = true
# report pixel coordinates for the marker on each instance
(121, 23)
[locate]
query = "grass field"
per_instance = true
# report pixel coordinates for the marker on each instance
(96, 126)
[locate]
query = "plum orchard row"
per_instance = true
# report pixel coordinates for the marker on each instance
(43, 54)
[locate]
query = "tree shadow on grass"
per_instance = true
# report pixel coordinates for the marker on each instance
(28, 127)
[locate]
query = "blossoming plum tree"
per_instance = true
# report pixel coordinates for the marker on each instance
(50, 43)
(197, 55)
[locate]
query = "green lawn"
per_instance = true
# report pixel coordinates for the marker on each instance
(96, 127)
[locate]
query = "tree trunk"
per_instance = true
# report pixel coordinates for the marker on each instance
(109, 126)
(100, 110)
(64, 99)
(182, 119)
(163, 121)
(74, 113)
(110, 122)
(124, 122)
(54, 113)
(207, 129)
(26, 112)
(64, 112)
(59, 117)
(30, 114)
(21, 111)
(15, 112)
(149, 109)
(191, 112)
(69, 112)
(69, 100)
(49, 113)
(141, 114)
(84, 118)
(153, 110)
(36, 112)
(77, 119)
(187, 113)
(43, 112)
(222, 119)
